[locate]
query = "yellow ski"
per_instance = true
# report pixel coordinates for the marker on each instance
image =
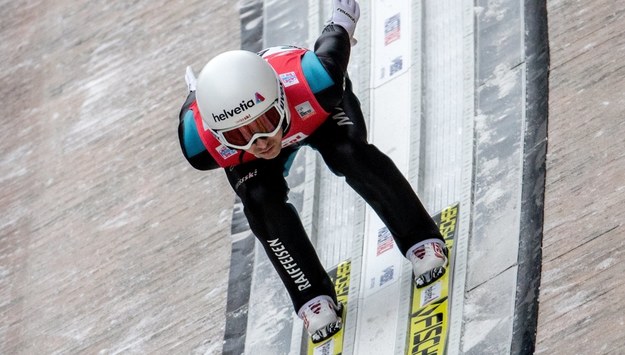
(334, 345)
(429, 308)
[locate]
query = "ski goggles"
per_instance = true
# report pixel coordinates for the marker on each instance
(265, 125)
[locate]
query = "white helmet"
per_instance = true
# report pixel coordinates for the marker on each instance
(235, 89)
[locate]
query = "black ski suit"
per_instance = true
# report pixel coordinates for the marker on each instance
(263, 189)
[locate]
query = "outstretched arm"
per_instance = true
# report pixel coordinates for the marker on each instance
(333, 48)
(190, 142)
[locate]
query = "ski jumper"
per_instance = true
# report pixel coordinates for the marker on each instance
(339, 135)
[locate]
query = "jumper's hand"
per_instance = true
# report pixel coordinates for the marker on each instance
(346, 14)
(189, 77)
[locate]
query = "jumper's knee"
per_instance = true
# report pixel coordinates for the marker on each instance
(347, 156)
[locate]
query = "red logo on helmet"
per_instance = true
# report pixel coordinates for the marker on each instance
(259, 98)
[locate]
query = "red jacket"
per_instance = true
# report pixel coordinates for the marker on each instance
(306, 113)
(309, 101)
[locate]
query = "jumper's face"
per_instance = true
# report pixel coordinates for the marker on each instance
(267, 148)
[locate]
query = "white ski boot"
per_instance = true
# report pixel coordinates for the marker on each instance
(322, 317)
(429, 260)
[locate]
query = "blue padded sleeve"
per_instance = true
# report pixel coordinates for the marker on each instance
(316, 75)
(191, 138)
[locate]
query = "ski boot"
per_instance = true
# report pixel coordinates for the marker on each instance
(322, 318)
(429, 261)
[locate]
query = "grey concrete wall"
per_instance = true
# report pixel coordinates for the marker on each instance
(581, 297)
(109, 241)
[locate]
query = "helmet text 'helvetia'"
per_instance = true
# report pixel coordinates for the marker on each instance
(244, 105)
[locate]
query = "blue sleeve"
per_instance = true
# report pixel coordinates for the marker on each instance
(332, 50)
(190, 142)
(316, 75)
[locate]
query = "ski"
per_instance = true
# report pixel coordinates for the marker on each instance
(340, 275)
(428, 325)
